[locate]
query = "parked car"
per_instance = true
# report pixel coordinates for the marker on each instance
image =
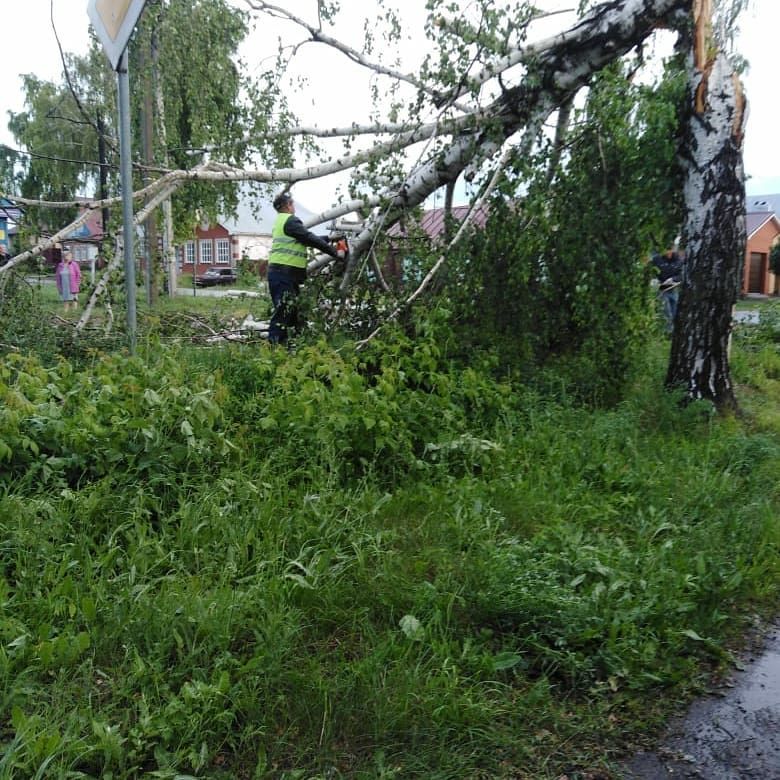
(215, 276)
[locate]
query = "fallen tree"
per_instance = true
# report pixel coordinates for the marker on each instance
(495, 103)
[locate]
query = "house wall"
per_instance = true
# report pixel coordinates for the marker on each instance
(253, 247)
(762, 281)
(209, 248)
(83, 253)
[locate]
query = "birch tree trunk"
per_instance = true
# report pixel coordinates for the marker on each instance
(714, 234)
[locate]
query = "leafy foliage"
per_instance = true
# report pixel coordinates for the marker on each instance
(237, 562)
(774, 259)
(194, 47)
(547, 278)
(63, 143)
(21, 320)
(206, 99)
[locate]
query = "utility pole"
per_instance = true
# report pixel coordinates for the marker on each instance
(151, 253)
(105, 214)
(126, 176)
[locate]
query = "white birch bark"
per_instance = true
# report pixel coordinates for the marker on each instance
(714, 234)
(555, 69)
(558, 68)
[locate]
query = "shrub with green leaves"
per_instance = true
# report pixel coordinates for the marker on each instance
(244, 562)
(544, 287)
(65, 426)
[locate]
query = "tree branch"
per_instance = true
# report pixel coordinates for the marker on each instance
(562, 64)
(319, 36)
(73, 92)
(475, 208)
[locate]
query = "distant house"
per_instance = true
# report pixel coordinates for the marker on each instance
(211, 246)
(244, 236)
(84, 242)
(10, 213)
(429, 228)
(763, 231)
(431, 222)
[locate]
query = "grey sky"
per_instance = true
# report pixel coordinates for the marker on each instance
(30, 47)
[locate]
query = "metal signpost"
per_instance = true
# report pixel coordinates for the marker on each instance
(114, 22)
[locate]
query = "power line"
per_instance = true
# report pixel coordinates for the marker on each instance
(53, 158)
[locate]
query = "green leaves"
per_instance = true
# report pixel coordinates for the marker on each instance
(556, 277)
(411, 627)
(124, 417)
(506, 660)
(400, 565)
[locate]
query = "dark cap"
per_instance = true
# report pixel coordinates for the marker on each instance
(281, 200)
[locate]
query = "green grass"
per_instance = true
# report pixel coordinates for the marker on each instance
(228, 306)
(246, 563)
(746, 303)
(217, 310)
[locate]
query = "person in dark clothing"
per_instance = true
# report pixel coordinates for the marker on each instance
(287, 267)
(669, 267)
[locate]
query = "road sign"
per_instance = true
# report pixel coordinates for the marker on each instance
(114, 22)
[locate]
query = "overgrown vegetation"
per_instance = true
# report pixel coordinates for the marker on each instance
(426, 559)
(579, 292)
(241, 562)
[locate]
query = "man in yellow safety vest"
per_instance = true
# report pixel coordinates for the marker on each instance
(287, 267)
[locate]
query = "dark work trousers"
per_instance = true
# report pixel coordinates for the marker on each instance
(284, 284)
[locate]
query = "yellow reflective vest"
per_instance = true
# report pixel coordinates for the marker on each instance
(286, 250)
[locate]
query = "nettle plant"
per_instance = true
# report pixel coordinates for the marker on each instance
(60, 425)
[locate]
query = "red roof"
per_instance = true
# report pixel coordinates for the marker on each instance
(432, 221)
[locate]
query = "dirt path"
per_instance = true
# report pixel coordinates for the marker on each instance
(731, 736)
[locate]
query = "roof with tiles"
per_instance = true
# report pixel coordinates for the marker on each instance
(761, 209)
(756, 220)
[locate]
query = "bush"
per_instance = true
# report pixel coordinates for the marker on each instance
(244, 562)
(24, 323)
(64, 426)
(543, 287)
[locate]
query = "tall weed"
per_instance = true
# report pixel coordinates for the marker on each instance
(251, 563)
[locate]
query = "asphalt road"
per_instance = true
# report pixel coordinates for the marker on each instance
(218, 292)
(733, 734)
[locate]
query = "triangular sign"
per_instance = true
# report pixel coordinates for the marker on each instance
(114, 22)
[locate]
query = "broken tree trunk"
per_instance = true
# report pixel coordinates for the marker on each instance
(714, 233)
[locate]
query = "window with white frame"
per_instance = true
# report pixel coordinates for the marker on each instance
(223, 250)
(189, 252)
(206, 250)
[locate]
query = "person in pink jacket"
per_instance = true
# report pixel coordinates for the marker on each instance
(68, 276)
